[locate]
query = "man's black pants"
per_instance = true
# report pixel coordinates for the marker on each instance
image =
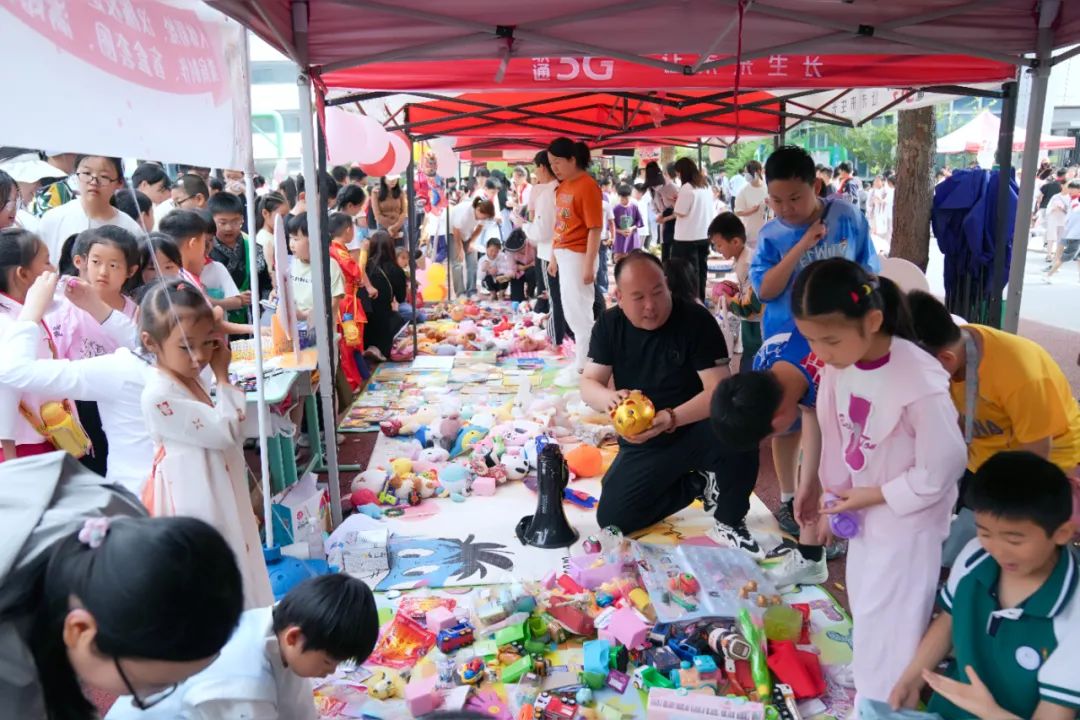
(647, 483)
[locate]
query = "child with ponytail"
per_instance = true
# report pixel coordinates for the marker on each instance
(199, 468)
(94, 595)
(891, 455)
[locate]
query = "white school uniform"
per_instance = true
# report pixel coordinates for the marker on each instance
(248, 681)
(114, 381)
(199, 471)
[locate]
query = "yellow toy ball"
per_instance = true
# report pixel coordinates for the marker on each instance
(634, 415)
(401, 466)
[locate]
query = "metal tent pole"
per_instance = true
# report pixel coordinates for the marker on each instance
(1001, 226)
(411, 235)
(1036, 105)
(319, 268)
(256, 311)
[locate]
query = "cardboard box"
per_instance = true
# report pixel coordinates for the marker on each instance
(302, 514)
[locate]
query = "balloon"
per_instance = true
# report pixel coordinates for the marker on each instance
(433, 284)
(401, 154)
(383, 166)
(354, 138)
(904, 273)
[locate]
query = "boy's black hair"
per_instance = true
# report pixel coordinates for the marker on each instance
(790, 162)
(340, 173)
(624, 190)
(151, 174)
(742, 409)
(844, 167)
(192, 185)
(727, 225)
(298, 224)
(224, 203)
(133, 208)
(182, 224)
(753, 167)
(338, 223)
(356, 174)
(335, 613)
(217, 185)
(494, 242)
(640, 187)
(934, 327)
(1020, 485)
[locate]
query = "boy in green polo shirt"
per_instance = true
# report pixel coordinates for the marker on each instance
(1011, 605)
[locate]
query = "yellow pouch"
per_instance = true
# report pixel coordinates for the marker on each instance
(350, 330)
(59, 425)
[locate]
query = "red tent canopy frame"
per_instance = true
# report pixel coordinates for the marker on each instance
(489, 40)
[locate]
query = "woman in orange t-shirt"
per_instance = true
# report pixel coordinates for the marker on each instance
(579, 217)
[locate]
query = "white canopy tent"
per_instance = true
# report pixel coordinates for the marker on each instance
(981, 133)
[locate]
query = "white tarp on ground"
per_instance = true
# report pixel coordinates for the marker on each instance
(130, 78)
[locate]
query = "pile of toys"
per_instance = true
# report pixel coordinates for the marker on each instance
(755, 665)
(467, 325)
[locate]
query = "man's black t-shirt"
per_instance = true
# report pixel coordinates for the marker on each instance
(1048, 190)
(662, 363)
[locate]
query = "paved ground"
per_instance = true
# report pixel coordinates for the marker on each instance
(1049, 313)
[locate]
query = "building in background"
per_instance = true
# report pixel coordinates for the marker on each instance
(275, 115)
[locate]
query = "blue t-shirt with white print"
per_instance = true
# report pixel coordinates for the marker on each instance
(847, 235)
(792, 348)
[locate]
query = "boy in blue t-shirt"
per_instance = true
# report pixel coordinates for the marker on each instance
(806, 228)
(1011, 606)
(775, 399)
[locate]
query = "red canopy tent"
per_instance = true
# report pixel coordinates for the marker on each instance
(657, 47)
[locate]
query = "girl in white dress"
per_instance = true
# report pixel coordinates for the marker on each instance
(199, 467)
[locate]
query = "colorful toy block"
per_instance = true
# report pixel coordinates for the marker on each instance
(422, 695)
(440, 618)
(626, 628)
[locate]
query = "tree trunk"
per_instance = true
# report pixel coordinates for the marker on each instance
(914, 185)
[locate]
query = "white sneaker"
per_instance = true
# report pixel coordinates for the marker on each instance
(736, 537)
(568, 377)
(794, 569)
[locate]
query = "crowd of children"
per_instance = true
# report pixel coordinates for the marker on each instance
(943, 444)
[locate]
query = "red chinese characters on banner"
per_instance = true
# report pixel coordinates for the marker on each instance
(588, 73)
(140, 41)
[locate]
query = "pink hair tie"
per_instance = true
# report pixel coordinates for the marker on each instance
(94, 531)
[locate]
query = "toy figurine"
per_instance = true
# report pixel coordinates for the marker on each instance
(685, 583)
(472, 672)
(633, 415)
(385, 684)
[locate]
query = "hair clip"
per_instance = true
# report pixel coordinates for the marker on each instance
(867, 289)
(181, 286)
(93, 532)
(854, 297)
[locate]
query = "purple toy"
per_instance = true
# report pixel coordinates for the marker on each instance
(845, 524)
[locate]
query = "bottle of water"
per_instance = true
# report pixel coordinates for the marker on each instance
(844, 525)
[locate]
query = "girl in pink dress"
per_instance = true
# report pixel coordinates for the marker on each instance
(199, 467)
(891, 457)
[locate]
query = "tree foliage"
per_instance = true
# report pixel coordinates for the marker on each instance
(739, 154)
(872, 144)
